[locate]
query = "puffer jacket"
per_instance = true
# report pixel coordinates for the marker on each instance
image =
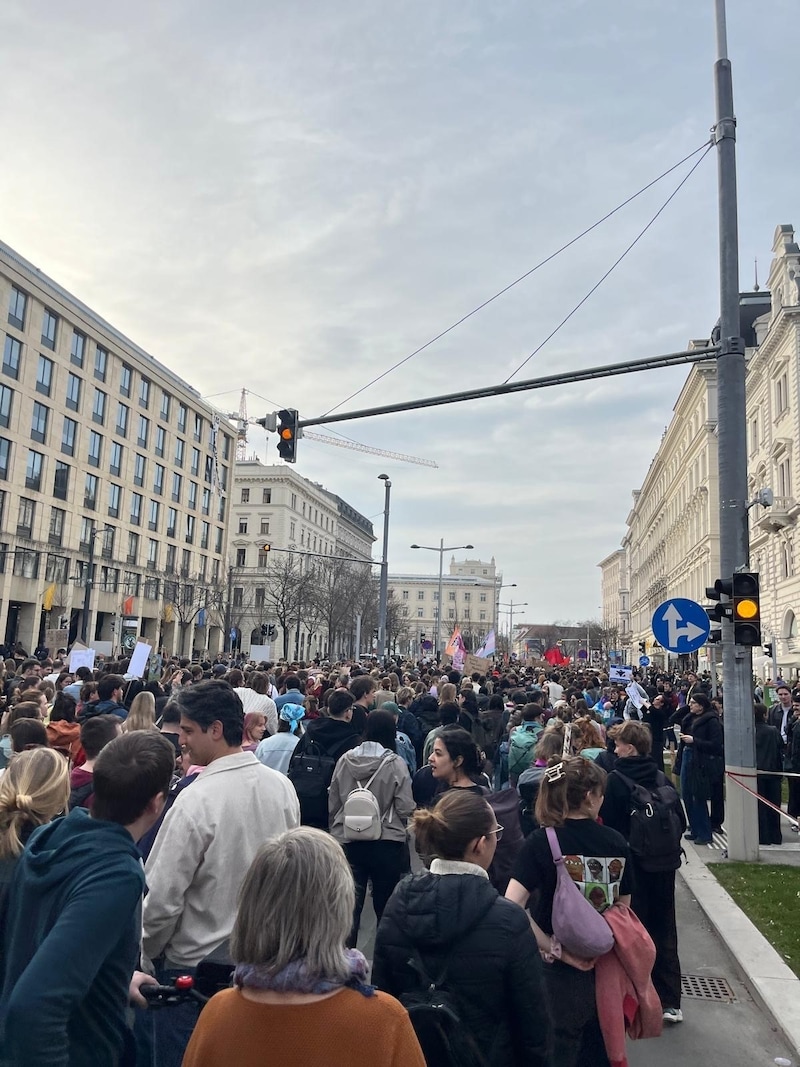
(391, 787)
(494, 969)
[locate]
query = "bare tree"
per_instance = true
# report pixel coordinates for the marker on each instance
(185, 600)
(284, 591)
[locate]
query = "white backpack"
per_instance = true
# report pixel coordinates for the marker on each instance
(362, 814)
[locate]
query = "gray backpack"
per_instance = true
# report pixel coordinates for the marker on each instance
(362, 814)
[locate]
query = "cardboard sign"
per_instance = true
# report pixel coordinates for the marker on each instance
(55, 639)
(620, 674)
(81, 657)
(476, 665)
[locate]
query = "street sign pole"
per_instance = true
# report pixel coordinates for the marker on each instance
(741, 816)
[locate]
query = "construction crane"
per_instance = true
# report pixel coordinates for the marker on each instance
(240, 418)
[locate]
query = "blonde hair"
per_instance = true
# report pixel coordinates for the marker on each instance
(142, 715)
(296, 903)
(447, 693)
(34, 789)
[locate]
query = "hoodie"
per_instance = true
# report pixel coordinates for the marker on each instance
(102, 707)
(71, 944)
(65, 737)
(616, 809)
(391, 788)
(493, 965)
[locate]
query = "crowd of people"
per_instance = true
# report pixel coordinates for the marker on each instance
(244, 811)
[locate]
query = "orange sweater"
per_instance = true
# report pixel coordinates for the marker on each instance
(342, 1030)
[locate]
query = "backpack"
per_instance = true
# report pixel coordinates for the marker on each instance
(363, 820)
(657, 824)
(435, 1015)
(521, 745)
(310, 772)
(505, 805)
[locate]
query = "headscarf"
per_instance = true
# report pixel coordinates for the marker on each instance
(292, 713)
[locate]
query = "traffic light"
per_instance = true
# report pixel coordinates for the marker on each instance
(769, 650)
(264, 629)
(642, 647)
(271, 631)
(746, 608)
(287, 434)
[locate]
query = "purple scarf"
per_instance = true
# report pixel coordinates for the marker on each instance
(295, 977)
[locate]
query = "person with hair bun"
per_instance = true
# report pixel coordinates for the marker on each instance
(452, 919)
(33, 790)
(598, 860)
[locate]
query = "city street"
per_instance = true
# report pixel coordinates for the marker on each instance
(713, 1033)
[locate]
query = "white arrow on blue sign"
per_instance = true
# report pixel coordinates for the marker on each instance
(681, 625)
(644, 661)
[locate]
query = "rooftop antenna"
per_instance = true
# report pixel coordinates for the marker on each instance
(756, 286)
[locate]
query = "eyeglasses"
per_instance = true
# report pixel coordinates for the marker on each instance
(497, 830)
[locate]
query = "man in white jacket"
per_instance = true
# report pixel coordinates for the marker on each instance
(205, 847)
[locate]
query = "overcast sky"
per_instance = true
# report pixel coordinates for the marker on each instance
(292, 197)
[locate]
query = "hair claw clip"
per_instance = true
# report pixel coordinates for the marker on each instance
(555, 773)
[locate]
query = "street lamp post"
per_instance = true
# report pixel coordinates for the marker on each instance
(87, 590)
(510, 606)
(384, 585)
(441, 549)
(498, 587)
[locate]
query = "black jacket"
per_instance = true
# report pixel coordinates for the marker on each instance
(334, 736)
(495, 969)
(708, 746)
(616, 809)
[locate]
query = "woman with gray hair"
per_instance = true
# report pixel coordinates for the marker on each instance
(294, 979)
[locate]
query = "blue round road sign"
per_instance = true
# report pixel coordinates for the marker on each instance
(681, 625)
(644, 661)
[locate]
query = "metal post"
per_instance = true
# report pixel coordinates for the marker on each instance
(439, 612)
(384, 586)
(87, 590)
(358, 635)
(737, 667)
(227, 644)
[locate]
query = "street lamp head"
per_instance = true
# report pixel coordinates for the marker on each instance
(383, 477)
(469, 546)
(415, 546)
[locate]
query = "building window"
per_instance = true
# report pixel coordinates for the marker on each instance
(109, 579)
(27, 511)
(483, 598)
(259, 597)
(782, 393)
(158, 479)
(242, 526)
(107, 542)
(77, 348)
(144, 393)
(483, 616)
(177, 484)
(26, 563)
(205, 530)
(294, 502)
(132, 583)
(56, 568)
(201, 573)
(152, 554)
(16, 308)
(266, 496)
(265, 526)
(451, 614)
(226, 446)
(420, 594)
(136, 509)
(49, 329)
(122, 419)
(69, 436)
(198, 429)
(785, 478)
(125, 376)
(39, 422)
(181, 418)
(238, 596)
(245, 496)
(114, 500)
(152, 523)
(179, 449)
(292, 531)
(172, 522)
(44, 376)
(241, 557)
(61, 480)
(467, 597)
(218, 540)
(451, 597)
(144, 431)
(192, 501)
(95, 448)
(206, 505)
(139, 467)
(133, 547)
(115, 465)
(151, 587)
(189, 538)
(161, 438)
(5, 457)
(405, 594)
(90, 492)
(6, 396)
(172, 555)
(420, 613)
(466, 613)
(73, 392)
(99, 407)
(196, 462)
(165, 404)
(100, 363)
(12, 353)
(33, 470)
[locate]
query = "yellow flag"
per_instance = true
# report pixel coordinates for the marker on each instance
(168, 613)
(49, 596)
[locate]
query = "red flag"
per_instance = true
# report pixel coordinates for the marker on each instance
(127, 606)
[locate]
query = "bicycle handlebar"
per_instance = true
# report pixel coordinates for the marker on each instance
(180, 991)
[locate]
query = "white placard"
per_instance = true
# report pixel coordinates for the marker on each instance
(260, 653)
(81, 657)
(620, 674)
(635, 694)
(139, 657)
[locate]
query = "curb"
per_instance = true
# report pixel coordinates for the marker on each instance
(773, 985)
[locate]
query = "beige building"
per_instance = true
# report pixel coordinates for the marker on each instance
(615, 595)
(104, 454)
(470, 591)
(305, 527)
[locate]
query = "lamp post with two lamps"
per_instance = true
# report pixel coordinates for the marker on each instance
(441, 548)
(511, 607)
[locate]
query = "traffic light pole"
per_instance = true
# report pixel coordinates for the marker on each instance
(741, 816)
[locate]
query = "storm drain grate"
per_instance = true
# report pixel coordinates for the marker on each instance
(704, 987)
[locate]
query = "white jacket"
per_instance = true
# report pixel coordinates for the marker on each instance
(253, 701)
(203, 851)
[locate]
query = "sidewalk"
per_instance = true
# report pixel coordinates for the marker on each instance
(770, 981)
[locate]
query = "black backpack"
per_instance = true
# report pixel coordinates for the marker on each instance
(657, 824)
(310, 772)
(435, 1015)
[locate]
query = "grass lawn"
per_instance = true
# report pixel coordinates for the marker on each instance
(769, 894)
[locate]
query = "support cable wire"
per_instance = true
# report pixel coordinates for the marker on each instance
(705, 146)
(614, 265)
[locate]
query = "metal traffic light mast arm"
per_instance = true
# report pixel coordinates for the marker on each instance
(611, 370)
